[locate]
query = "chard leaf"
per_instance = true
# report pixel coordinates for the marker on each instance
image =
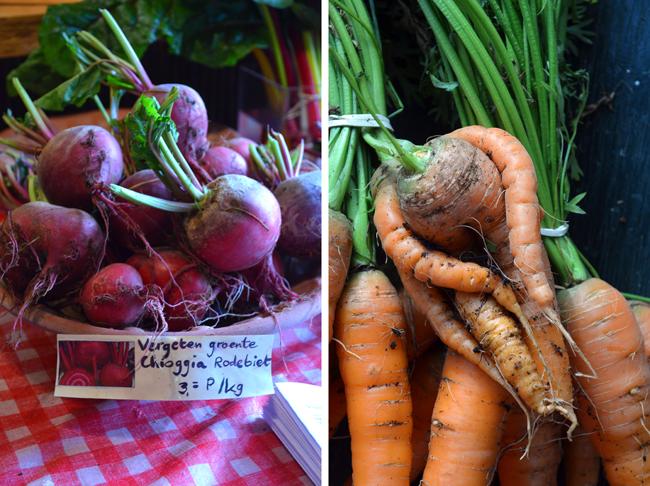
(75, 91)
(139, 19)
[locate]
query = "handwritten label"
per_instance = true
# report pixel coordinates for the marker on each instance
(171, 368)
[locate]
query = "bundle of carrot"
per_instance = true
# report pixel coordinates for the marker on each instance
(473, 222)
(292, 65)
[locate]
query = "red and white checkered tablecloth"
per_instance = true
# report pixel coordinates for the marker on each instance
(46, 440)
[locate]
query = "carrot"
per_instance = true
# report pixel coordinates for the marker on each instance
(369, 328)
(495, 330)
(424, 380)
(539, 467)
(642, 314)
(466, 427)
(340, 253)
(581, 461)
(456, 199)
(524, 258)
(412, 256)
(419, 334)
(523, 212)
(614, 412)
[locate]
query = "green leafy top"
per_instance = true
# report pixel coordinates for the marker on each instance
(215, 34)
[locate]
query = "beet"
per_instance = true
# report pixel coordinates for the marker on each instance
(91, 355)
(77, 377)
(114, 374)
(241, 145)
(77, 162)
(237, 226)
(190, 116)
(186, 287)
(153, 224)
(114, 297)
(218, 161)
(300, 203)
(48, 250)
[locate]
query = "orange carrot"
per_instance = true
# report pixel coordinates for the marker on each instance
(522, 207)
(419, 334)
(521, 255)
(340, 253)
(424, 380)
(642, 313)
(411, 256)
(539, 467)
(369, 328)
(581, 461)
(496, 331)
(614, 412)
(466, 427)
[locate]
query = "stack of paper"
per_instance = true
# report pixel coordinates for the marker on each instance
(295, 413)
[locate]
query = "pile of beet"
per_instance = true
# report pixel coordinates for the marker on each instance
(148, 224)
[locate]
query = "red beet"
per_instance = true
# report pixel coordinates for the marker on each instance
(218, 161)
(154, 224)
(190, 116)
(114, 297)
(77, 162)
(300, 200)
(241, 145)
(77, 377)
(114, 374)
(48, 250)
(91, 355)
(237, 226)
(187, 296)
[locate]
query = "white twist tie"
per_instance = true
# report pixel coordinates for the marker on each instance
(361, 121)
(557, 232)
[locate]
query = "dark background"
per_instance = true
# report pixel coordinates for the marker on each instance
(615, 233)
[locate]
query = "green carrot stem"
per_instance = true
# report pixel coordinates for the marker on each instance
(408, 160)
(456, 64)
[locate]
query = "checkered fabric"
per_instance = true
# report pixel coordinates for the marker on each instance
(46, 440)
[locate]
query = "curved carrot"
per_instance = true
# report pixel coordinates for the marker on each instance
(525, 259)
(411, 256)
(495, 330)
(419, 334)
(340, 254)
(616, 412)
(537, 467)
(369, 330)
(466, 427)
(425, 381)
(522, 207)
(581, 461)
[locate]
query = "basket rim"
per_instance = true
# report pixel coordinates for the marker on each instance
(282, 317)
